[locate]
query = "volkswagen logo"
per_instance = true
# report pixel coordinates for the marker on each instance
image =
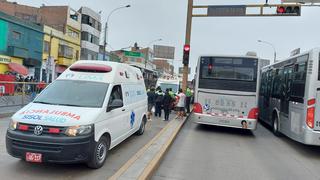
(38, 130)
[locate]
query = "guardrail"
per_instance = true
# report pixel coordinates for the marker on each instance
(15, 94)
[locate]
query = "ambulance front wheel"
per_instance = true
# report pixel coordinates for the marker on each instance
(100, 153)
(142, 126)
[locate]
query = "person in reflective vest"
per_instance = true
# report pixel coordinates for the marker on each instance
(188, 99)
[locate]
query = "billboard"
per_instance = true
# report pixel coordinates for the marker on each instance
(163, 52)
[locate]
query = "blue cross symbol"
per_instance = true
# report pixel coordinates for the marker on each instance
(132, 118)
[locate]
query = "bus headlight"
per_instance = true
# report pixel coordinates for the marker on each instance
(79, 130)
(13, 125)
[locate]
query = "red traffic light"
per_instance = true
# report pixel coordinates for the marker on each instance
(294, 10)
(186, 47)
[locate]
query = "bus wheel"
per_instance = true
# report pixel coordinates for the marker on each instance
(275, 126)
(99, 155)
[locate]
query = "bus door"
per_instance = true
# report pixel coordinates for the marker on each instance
(286, 93)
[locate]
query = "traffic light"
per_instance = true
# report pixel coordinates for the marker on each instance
(289, 10)
(186, 52)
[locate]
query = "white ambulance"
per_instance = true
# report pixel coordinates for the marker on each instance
(92, 107)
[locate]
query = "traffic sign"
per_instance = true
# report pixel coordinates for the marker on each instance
(227, 10)
(133, 54)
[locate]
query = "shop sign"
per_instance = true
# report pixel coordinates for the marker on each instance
(5, 60)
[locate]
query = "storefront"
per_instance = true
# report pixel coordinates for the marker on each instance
(5, 61)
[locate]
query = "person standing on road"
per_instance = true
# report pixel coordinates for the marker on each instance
(159, 98)
(181, 104)
(188, 99)
(167, 103)
(151, 101)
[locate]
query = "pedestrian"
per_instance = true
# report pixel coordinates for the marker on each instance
(171, 93)
(188, 99)
(159, 99)
(181, 98)
(167, 104)
(151, 102)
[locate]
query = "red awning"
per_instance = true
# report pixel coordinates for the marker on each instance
(18, 68)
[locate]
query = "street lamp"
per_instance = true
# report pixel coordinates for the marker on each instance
(274, 49)
(106, 29)
(147, 57)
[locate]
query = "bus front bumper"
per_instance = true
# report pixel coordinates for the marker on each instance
(233, 122)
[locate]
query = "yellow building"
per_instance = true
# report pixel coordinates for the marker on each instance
(63, 48)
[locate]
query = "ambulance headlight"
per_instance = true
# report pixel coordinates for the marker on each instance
(79, 130)
(13, 125)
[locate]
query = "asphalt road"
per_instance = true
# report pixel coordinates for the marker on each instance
(209, 152)
(12, 168)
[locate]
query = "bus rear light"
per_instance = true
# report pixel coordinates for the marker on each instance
(310, 117)
(197, 108)
(253, 113)
(311, 102)
(23, 127)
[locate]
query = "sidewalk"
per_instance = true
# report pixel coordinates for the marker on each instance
(143, 164)
(8, 111)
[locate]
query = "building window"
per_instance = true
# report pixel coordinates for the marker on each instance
(85, 36)
(73, 33)
(74, 15)
(16, 35)
(91, 22)
(65, 51)
(85, 19)
(46, 47)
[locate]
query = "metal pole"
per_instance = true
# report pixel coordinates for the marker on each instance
(274, 49)
(48, 69)
(105, 41)
(187, 41)
(106, 29)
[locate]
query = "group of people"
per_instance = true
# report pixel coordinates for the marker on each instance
(168, 101)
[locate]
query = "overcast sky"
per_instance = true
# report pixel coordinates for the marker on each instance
(148, 20)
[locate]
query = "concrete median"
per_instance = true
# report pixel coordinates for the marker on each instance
(144, 163)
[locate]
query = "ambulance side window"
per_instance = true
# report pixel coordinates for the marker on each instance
(116, 93)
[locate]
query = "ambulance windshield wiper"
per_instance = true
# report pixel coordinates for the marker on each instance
(74, 105)
(41, 102)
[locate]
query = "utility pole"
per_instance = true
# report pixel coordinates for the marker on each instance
(187, 42)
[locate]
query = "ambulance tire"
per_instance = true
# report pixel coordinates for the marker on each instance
(99, 153)
(142, 126)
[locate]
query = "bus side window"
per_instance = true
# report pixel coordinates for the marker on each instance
(299, 81)
(263, 84)
(278, 79)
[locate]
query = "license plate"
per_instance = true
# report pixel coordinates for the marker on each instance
(33, 157)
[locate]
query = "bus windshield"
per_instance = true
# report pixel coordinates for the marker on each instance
(226, 73)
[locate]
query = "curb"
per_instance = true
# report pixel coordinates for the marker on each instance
(156, 160)
(4, 115)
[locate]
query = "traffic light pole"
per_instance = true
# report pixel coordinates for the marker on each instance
(187, 42)
(232, 11)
